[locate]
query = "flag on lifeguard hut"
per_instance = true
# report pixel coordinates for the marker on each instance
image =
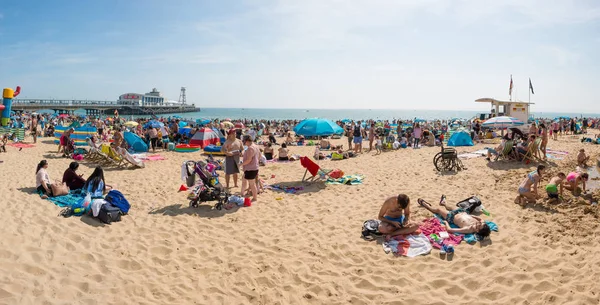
(510, 87)
(531, 87)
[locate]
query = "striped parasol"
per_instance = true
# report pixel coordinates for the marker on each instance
(502, 122)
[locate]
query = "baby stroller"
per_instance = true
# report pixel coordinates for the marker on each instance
(208, 188)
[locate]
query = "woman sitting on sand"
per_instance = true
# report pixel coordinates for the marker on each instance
(268, 151)
(42, 180)
(95, 184)
(71, 178)
(283, 153)
(289, 140)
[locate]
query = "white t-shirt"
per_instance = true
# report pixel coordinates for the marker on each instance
(42, 175)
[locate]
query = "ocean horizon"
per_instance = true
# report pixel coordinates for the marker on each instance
(339, 114)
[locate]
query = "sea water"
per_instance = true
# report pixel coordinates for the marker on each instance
(339, 114)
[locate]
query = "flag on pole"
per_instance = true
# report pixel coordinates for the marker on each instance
(531, 86)
(510, 87)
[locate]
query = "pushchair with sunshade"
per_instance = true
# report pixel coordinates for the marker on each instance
(208, 187)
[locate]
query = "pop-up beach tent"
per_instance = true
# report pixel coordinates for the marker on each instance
(136, 143)
(460, 138)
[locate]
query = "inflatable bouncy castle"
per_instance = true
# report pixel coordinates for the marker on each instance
(8, 94)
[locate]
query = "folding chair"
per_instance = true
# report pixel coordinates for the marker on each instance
(507, 152)
(313, 168)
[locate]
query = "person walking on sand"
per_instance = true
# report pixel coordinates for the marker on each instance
(34, 124)
(416, 135)
(371, 136)
(349, 134)
(526, 194)
(357, 136)
(250, 165)
(544, 143)
(232, 149)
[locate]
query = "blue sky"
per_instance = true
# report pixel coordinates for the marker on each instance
(422, 54)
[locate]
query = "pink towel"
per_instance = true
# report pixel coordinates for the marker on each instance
(433, 225)
(21, 145)
(155, 158)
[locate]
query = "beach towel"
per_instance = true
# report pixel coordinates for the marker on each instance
(21, 145)
(348, 180)
(475, 154)
(408, 245)
(73, 198)
(470, 238)
(557, 152)
(287, 189)
(432, 226)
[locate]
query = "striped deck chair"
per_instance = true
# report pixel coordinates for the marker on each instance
(112, 156)
(507, 152)
(532, 151)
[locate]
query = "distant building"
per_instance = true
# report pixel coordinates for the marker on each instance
(152, 98)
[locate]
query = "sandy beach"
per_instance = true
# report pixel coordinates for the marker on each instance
(302, 249)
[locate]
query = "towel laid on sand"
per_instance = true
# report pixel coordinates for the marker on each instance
(408, 245)
(475, 154)
(74, 197)
(348, 179)
(21, 145)
(287, 189)
(434, 226)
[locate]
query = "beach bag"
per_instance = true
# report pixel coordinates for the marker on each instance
(59, 189)
(470, 204)
(109, 213)
(371, 227)
(117, 199)
(336, 174)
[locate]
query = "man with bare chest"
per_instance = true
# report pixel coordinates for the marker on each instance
(395, 216)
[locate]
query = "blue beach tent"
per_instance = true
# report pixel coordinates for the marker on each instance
(460, 138)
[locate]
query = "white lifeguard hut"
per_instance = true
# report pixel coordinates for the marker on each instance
(515, 109)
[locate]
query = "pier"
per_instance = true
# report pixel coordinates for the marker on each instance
(96, 107)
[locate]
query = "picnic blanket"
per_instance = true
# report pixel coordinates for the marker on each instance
(146, 157)
(74, 197)
(348, 180)
(408, 245)
(21, 145)
(433, 225)
(469, 237)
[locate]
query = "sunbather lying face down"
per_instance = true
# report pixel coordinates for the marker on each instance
(466, 223)
(394, 216)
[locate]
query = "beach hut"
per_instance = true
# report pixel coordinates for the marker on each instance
(460, 138)
(204, 137)
(135, 142)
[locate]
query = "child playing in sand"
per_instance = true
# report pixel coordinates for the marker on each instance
(526, 195)
(582, 159)
(553, 187)
(378, 145)
(573, 180)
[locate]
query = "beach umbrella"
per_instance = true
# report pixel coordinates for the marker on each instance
(317, 127)
(227, 119)
(153, 124)
(182, 124)
(204, 137)
(239, 125)
(346, 121)
(63, 115)
(502, 122)
(517, 131)
(420, 120)
(131, 124)
(203, 121)
(177, 116)
(227, 124)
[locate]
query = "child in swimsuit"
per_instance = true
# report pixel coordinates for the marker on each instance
(573, 179)
(525, 192)
(582, 159)
(552, 189)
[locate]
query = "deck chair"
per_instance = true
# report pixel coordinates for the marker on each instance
(530, 155)
(507, 152)
(313, 168)
(128, 158)
(112, 156)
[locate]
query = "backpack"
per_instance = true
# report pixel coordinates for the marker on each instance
(371, 228)
(117, 199)
(470, 204)
(109, 213)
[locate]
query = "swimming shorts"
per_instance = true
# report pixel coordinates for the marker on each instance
(357, 140)
(396, 219)
(451, 214)
(250, 175)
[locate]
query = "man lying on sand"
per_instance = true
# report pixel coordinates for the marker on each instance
(526, 195)
(394, 216)
(465, 222)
